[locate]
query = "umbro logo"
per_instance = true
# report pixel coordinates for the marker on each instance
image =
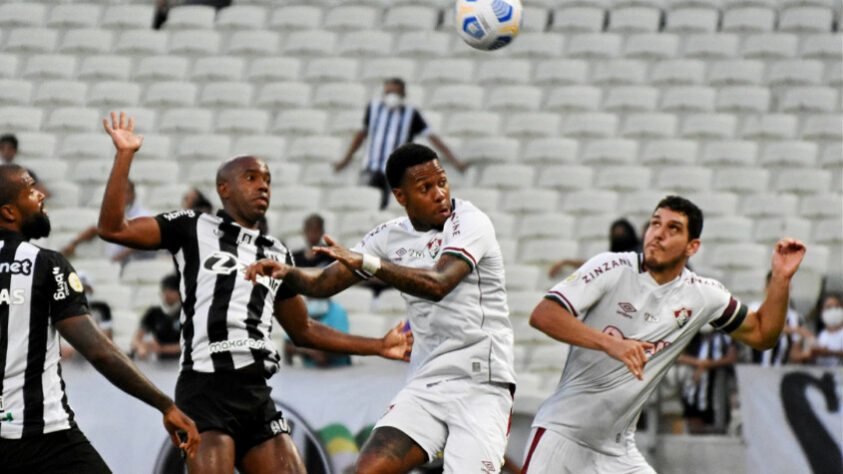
(626, 309)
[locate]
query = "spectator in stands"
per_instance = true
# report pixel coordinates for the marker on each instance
(117, 253)
(622, 238)
(162, 8)
(705, 393)
(390, 123)
(8, 152)
(194, 199)
(323, 310)
(827, 351)
(100, 311)
(790, 346)
(161, 323)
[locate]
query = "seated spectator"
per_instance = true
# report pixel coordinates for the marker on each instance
(8, 152)
(99, 310)
(313, 231)
(622, 238)
(162, 9)
(194, 199)
(115, 252)
(330, 314)
(790, 346)
(828, 349)
(160, 326)
(705, 393)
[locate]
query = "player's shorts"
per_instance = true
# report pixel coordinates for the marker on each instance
(235, 402)
(60, 452)
(473, 417)
(549, 451)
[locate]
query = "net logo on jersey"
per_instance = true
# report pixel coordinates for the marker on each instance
(16, 267)
(682, 316)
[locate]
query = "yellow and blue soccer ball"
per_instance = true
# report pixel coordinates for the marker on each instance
(488, 24)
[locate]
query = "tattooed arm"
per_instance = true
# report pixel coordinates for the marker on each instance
(314, 282)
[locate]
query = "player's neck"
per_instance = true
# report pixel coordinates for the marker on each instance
(423, 226)
(242, 221)
(666, 275)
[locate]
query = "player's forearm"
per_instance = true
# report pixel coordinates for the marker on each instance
(325, 338)
(120, 371)
(428, 284)
(553, 320)
(313, 282)
(772, 314)
(112, 218)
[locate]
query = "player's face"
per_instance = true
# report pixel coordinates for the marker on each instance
(425, 195)
(667, 243)
(247, 192)
(34, 221)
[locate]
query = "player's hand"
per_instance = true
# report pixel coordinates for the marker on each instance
(397, 344)
(266, 267)
(123, 133)
(787, 256)
(352, 260)
(632, 353)
(174, 421)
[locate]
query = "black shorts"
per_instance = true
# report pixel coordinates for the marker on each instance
(59, 452)
(235, 402)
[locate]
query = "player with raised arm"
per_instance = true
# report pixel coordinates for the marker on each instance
(227, 353)
(445, 259)
(628, 316)
(42, 297)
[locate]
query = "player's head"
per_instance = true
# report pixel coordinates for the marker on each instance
(8, 147)
(394, 85)
(194, 199)
(21, 203)
(622, 237)
(673, 235)
(243, 187)
(313, 229)
(420, 185)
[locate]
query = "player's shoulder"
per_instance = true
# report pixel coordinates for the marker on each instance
(382, 230)
(611, 266)
(184, 215)
(708, 287)
(466, 211)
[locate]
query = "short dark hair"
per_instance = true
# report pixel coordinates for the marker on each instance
(9, 138)
(404, 157)
(170, 282)
(398, 81)
(314, 219)
(10, 188)
(691, 211)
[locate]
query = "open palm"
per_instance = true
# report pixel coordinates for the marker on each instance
(123, 132)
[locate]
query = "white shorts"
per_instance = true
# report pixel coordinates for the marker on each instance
(550, 452)
(465, 420)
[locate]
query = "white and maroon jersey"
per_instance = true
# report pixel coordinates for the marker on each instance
(468, 332)
(598, 400)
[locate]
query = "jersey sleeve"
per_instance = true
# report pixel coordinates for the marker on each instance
(67, 296)
(176, 228)
(418, 126)
(148, 321)
(726, 313)
(284, 292)
(582, 289)
(470, 237)
(374, 243)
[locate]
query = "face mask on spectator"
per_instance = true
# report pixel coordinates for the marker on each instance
(833, 317)
(706, 329)
(171, 309)
(393, 100)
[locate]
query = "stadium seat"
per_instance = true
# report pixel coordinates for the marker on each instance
(351, 17)
(691, 20)
(301, 121)
(365, 43)
(688, 99)
(789, 154)
(770, 46)
(83, 15)
(149, 271)
(112, 94)
(273, 69)
(446, 71)
(98, 270)
(457, 97)
(31, 40)
(161, 68)
(18, 119)
(770, 230)
(187, 17)
(507, 176)
(332, 69)
(651, 46)
(796, 73)
(315, 148)
(105, 68)
(725, 153)
(715, 203)
(13, 15)
(522, 278)
(809, 100)
(823, 127)
(356, 300)
(768, 204)
(422, 44)
(36, 145)
(313, 43)
(345, 123)
(355, 224)
(284, 94)
(573, 99)
(521, 303)
(555, 225)
(8, 65)
(538, 45)
(827, 231)
(242, 121)
(590, 202)
(728, 229)
(473, 124)
(590, 125)
(545, 251)
(504, 71)
(170, 94)
(678, 72)
(820, 205)
(593, 227)
(803, 181)
(741, 180)
(204, 147)
(709, 126)
(195, 42)
(578, 20)
(381, 69)
(530, 201)
(292, 17)
(349, 198)
(534, 19)
(72, 219)
(770, 127)
(410, 17)
(263, 43)
(226, 95)
(154, 147)
(157, 172)
(515, 98)
(166, 197)
(833, 74)
(142, 42)
(14, 92)
(552, 72)
(623, 178)
(186, 120)
(594, 45)
(806, 20)
(669, 152)
(634, 19)
(736, 73)
(566, 177)
(550, 150)
(711, 46)
(832, 156)
(217, 68)
(73, 119)
(288, 174)
(52, 66)
(743, 100)
(631, 99)
(736, 256)
(612, 151)
(323, 175)
(88, 145)
(126, 17)
(241, 17)
(489, 150)
(649, 126)
(532, 124)
(268, 147)
(619, 72)
(749, 20)
(684, 179)
(94, 171)
(483, 198)
(87, 41)
(821, 46)
(504, 223)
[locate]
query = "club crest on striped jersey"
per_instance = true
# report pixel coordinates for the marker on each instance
(682, 316)
(434, 246)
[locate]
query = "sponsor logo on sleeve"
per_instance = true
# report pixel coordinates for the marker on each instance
(171, 216)
(62, 289)
(75, 283)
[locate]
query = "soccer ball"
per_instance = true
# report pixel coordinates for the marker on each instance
(488, 24)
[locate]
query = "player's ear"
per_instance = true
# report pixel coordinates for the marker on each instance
(223, 190)
(692, 247)
(400, 196)
(8, 212)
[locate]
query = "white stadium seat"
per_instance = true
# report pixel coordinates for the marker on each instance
(538, 45)
(736, 72)
(296, 197)
(834, 74)
(36, 145)
(241, 17)
(590, 202)
(684, 179)
(507, 176)
(715, 203)
(314, 148)
(112, 94)
(242, 121)
(770, 127)
(618, 72)
(789, 154)
(31, 40)
(566, 177)
(186, 120)
(810, 100)
(612, 151)
(771, 230)
(770, 46)
(284, 94)
(820, 205)
(226, 95)
(474, 124)
(821, 46)
(359, 198)
(125, 17)
(255, 43)
(218, 68)
(728, 229)
(803, 181)
(743, 99)
(691, 20)
(578, 20)
(574, 99)
(8, 65)
(623, 178)
(749, 20)
(185, 17)
(195, 42)
(310, 43)
(14, 92)
(823, 127)
(590, 125)
(88, 145)
(631, 99)
(669, 152)
(652, 46)
(204, 147)
(161, 68)
(741, 180)
(504, 71)
(351, 17)
(149, 271)
(551, 150)
(534, 19)
(806, 20)
(52, 66)
(688, 99)
(171, 94)
(355, 300)
(796, 73)
(832, 156)
(20, 119)
(634, 20)
(83, 15)
(594, 45)
(545, 251)
(709, 126)
(74, 119)
(457, 97)
(483, 198)
(74, 219)
(725, 153)
(422, 44)
(490, 150)
(450, 70)
(87, 41)
(711, 46)
(649, 126)
(322, 174)
(142, 42)
(553, 72)
(21, 14)
(269, 147)
(739, 256)
(155, 172)
(296, 17)
(380, 69)
(530, 201)
(515, 98)
(273, 69)
(105, 67)
(410, 17)
(676, 72)
(553, 225)
(532, 124)
(301, 121)
(767, 204)
(365, 43)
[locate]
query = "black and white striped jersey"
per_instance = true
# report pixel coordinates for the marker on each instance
(388, 128)
(226, 321)
(38, 288)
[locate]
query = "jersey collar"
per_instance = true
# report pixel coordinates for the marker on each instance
(6, 234)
